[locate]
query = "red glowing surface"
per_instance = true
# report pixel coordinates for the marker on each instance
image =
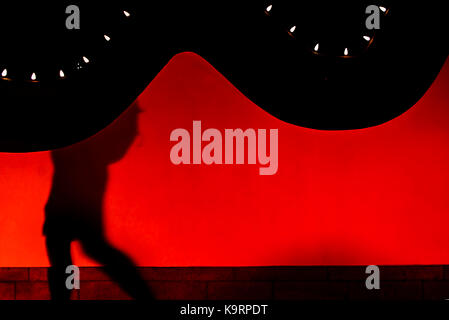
(371, 196)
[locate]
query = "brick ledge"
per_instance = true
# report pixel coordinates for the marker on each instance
(244, 283)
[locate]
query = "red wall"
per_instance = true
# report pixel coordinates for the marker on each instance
(371, 196)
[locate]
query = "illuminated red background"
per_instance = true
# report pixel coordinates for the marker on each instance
(371, 196)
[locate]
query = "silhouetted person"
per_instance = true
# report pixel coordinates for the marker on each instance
(74, 210)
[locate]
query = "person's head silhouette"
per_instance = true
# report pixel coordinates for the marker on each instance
(106, 147)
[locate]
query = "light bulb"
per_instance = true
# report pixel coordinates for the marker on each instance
(107, 38)
(4, 73)
(346, 51)
(86, 60)
(268, 9)
(317, 47)
(61, 74)
(126, 13)
(33, 76)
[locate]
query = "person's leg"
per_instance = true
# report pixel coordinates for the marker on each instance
(58, 250)
(118, 266)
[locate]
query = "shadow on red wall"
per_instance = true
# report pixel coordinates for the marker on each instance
(371, 196)
(74, 210)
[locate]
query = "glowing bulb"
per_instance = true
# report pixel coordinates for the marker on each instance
(346, 51)
(292, 29)
(383, 9)
(126, 13)
(269, 8)
(317, 47)
(4, 73)
(33, 77)
(366, 38)
(107, 38)
(61, 74)
(86, 60)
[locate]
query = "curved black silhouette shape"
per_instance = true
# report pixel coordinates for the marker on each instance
(251, 48)
(74, 210)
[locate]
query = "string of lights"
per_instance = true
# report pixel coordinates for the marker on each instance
(293, 29)
(59, 74)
